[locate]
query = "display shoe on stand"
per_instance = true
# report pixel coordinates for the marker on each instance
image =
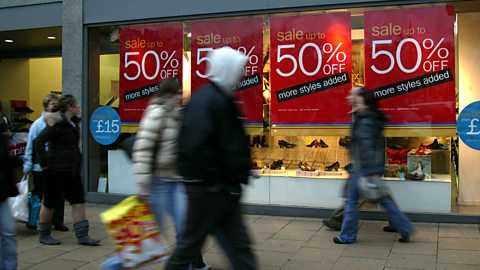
(313, 143)
(323, 144)
(305, 167)
(254, 140)
(275, 165)
(263, 142)
(285, 144)
(302, 166)
(437, 146)
(344, 142)
(254, 165)
(333, 166)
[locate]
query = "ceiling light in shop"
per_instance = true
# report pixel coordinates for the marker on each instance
(9, 40)
(51, 37)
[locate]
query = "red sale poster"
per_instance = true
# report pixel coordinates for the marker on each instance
(244, 35)
(310, 73)
(148, 54)
(410, 66)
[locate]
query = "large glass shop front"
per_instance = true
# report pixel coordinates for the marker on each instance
(301, 66)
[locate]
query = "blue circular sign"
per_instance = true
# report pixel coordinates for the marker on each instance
(105, 125)
(468, 125)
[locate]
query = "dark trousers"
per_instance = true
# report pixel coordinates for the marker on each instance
(219, 213)
(38, 189)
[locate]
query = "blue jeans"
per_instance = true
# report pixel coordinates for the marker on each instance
(8, 245)
(349, 231)
(168, 197)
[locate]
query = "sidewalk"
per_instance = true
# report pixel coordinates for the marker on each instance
(281, 243)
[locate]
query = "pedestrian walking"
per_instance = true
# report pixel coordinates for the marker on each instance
(31, 166)
(8, 244)
(368, 158)
(214, 160)
(155, 160)
(61, 166)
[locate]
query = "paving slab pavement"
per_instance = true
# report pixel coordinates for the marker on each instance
(280, 243)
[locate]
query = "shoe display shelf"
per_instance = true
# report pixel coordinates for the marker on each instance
(18, 113)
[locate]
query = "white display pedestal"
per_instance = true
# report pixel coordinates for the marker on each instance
(290, 190)
(120, 173)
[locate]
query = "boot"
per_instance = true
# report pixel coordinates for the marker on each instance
(44, 234)
(81, 232)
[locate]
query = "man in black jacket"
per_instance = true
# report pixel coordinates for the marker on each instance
(214, 160)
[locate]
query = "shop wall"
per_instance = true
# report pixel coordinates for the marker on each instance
(109, 73)
(469, 88)
(124, 10)
(14, 82)
(45, 76)
(33, 12)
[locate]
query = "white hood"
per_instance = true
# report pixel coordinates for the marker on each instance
(225, 68)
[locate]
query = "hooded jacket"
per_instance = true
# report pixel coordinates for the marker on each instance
(63, 139)
(213, 147)
(367, 143)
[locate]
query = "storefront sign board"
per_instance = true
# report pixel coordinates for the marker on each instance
(310, 72)
(244, 35)
(410, 65)
(148, 54)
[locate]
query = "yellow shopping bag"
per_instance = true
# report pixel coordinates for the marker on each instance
(134, 232)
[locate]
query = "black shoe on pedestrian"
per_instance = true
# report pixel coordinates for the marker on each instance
(404, 239)
(389, 228)
(336, 240)
(332, 226)
(60, 227)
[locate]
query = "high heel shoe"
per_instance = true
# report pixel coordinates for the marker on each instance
(285, 144)
(344, 142)
(305, 167)
(313, 143)
(275, 165)
(301, 166)
(333, 166)
(323, 144)
(308, 167)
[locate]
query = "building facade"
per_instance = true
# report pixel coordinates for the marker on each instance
(419, 57)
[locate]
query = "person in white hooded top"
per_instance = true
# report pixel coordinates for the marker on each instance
(214, 160)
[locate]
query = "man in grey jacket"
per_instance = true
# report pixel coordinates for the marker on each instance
(214, 160)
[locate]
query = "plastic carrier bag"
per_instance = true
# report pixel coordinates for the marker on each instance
(135, 233)
(19, 204)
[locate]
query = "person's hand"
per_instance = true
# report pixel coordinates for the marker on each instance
(142, 198)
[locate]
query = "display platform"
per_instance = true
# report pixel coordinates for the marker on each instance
(288, 189)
